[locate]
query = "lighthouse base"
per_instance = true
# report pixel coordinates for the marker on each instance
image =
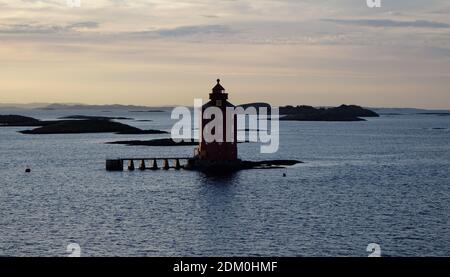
(213, 166)
(235, 165)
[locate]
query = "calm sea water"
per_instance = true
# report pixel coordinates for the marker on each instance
(385, 181)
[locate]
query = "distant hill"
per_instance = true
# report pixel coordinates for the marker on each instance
(57, 106)
(22, 106)
(73, 106)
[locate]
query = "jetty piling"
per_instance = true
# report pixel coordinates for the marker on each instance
(131, 165)
(142, 165)
(155, 165)
(177, 164)
(166, 164)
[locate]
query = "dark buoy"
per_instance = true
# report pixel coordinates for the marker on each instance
(284, 174)
(28, 170)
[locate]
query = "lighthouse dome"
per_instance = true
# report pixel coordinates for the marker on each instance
(218, 87)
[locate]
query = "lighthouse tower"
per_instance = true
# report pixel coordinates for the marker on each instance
(218, 151)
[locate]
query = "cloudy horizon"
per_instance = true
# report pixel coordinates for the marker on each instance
(155, 52)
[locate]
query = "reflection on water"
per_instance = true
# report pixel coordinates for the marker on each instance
(384, 181)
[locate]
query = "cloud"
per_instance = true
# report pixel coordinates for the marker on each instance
(193, 30)
(183, 31)
(46, 29)
(83, 25)
(29, 29)
(390, 23)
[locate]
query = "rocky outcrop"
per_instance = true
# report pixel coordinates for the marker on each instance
(341, 113)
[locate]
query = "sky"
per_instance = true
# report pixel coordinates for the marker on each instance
(164, 52)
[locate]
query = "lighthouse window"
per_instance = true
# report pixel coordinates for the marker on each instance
(218, 102)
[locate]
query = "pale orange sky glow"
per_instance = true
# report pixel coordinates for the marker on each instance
(278, 51)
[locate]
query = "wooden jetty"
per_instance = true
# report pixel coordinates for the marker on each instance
(118, 164)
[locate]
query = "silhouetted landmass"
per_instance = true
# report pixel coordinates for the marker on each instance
(89, 126)
(159, 142)
(148, 111)
(155, 142)
(85, 124)
(18, 120)
(256, 106)
(436, 113)
(57, 106)
(88, 117)
(341, 113)
(268, 164)
(232, 166)
(253, 130)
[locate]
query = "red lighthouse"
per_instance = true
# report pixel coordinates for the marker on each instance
(221, 151)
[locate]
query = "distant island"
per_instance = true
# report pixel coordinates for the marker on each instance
(341, 113)
(104, 108)
(95, 117)
(147, 111)
(19, 121)
(72, 126)
(89, 126)
(159, 142)
(257, 106)
(309, 113)
(155, 142)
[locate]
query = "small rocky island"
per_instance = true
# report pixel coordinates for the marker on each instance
(341, 113)
(76, 126)
(90, 126)
(154, 142)
(18, 121)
